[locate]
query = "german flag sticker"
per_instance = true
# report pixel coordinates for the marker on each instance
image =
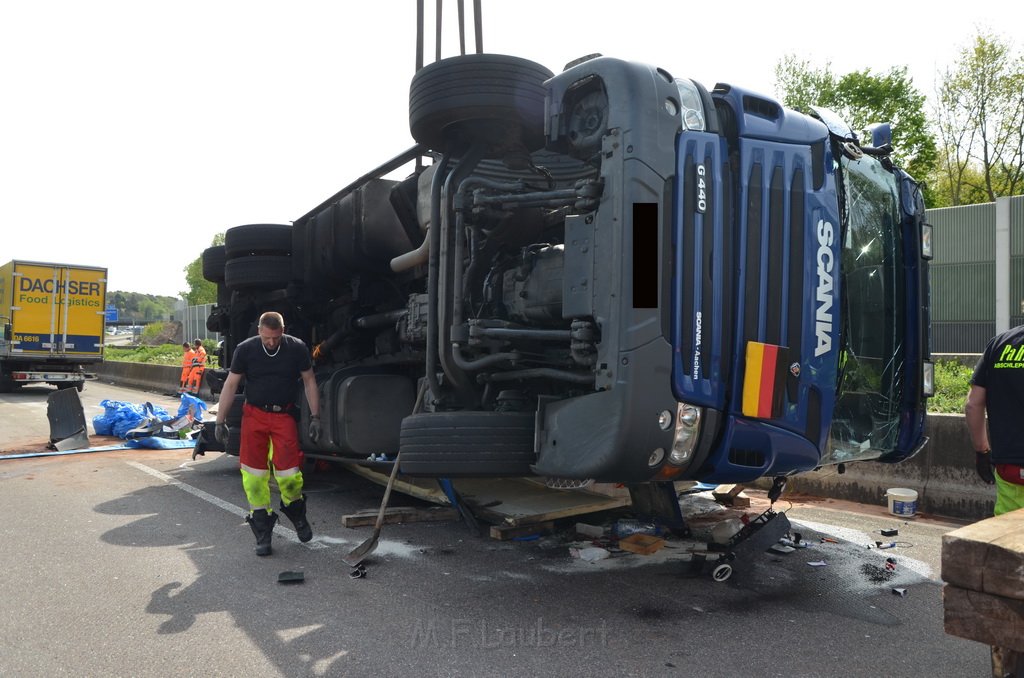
(764, 380)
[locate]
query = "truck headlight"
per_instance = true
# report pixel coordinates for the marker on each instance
(928, 379)
(687, 431)
(690, 106)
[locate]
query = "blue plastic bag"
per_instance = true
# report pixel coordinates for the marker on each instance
(119, 417)
(195, 403)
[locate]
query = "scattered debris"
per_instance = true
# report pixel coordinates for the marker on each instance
(890, 564)
(590, 554)
(899, 592)
(359, 571)
(643, 544)
(731, 495)
(521, 532)
(817, 563)
(291, 577)
(625, 527)
(781, 548)
(589, 530)
(891, 532)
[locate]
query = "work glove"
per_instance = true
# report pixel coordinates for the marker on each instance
(314, 429)
(984, 467)
(221, 433)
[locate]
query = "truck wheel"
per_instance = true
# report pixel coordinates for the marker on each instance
(241, 241)
(258, 272)
(478, 97)
(213, 263)
(467, 444)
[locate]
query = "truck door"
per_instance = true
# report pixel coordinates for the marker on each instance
(57, 310)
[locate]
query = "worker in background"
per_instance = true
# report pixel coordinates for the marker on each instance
(997, 388)
(186, 366)
(272, 363)
(195, 377)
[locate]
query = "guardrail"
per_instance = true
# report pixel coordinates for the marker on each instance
(942, 473)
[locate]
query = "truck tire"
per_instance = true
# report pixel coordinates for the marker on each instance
(478, 97)
(249, 239)
(258, 272)
(213, 263)
(467, 444)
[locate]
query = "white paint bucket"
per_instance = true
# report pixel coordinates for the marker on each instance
(902, 502)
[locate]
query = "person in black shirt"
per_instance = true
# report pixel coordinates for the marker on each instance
(271, 364)
(998, 388)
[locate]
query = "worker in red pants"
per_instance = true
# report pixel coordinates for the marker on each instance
(271, 363)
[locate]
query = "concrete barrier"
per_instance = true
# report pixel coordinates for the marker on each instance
(153, 378)
(942, 473)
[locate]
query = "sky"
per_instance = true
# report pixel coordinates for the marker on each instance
(132, 132)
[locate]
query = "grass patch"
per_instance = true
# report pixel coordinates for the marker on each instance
(952, 382)
(164, 354)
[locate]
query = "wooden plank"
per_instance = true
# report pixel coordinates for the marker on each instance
(987, 556)
(506, 501)
(521, 501)
(399, 514)
(506, 532)
(989, 619)
(421, 488)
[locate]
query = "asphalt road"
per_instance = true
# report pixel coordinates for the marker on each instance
(138, 563)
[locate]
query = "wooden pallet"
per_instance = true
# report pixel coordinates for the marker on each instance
(509, 502)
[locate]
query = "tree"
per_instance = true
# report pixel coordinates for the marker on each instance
(863, 98)
(201, 290)
(980, 113)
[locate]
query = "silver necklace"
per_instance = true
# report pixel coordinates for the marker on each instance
(269, 354)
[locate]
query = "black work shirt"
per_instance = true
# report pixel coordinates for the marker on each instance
(270, 378)
(1001, 373)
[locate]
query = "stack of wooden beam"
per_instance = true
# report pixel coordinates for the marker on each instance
(983, 567)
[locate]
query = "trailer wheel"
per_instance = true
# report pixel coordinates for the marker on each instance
(249, 239)
(721, 572)
(467, 444)
(258, 272)
(213, 263)
(478, 97)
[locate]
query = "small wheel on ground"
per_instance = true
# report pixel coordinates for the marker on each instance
(721, 572)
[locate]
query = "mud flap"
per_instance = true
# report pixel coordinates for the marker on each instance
(67, 420)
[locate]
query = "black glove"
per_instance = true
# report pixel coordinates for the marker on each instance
(984, 466)
(314, 429)
(221, 433)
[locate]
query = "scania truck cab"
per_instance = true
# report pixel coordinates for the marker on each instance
(609, 274)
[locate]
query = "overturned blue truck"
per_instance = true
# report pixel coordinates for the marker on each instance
(608, 274)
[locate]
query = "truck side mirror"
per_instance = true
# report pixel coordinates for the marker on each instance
(7, 332)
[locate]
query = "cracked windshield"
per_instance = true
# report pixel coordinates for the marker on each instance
(872, 297)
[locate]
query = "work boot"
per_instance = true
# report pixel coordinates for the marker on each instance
(262, 524)
(296, 512)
